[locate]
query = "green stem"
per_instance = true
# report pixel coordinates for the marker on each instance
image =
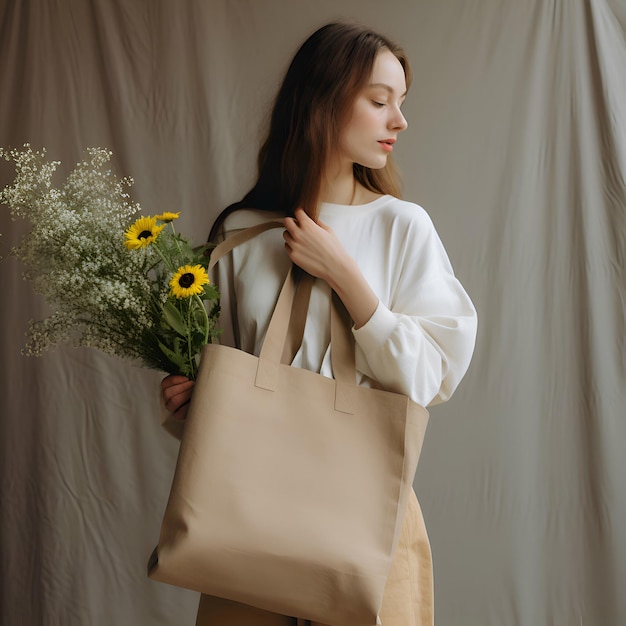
(180, 252)
(189, 352)
(167, 261)
(206, 318)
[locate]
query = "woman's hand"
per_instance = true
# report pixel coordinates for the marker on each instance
(315, 248)
(176, 391)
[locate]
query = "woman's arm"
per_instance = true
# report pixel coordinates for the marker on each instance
(419, 341)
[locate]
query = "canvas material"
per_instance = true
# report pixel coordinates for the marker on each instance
(290, 487)
(408, 599)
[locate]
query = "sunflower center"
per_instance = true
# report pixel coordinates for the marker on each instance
(144, 234)
(186, 280)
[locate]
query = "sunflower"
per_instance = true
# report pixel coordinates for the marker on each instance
(188, 281)
(167, 216)
(142, 233)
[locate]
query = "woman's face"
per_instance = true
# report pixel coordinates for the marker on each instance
(376, 120)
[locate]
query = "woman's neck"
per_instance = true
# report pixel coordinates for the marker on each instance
(342, 188)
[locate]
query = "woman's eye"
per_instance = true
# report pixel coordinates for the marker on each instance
(378, 104)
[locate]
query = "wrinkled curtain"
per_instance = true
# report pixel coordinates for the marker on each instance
(517, 149)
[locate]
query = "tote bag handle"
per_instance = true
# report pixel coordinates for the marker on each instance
(240, 237)
(282, 323)
(301, 301)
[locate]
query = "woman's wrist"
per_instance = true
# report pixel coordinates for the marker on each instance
(354, 291)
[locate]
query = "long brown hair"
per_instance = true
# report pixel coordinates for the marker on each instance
(325, 77)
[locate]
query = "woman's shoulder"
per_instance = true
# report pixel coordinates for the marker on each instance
(404, 211)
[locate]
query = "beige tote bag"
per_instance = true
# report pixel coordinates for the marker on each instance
(290, 488)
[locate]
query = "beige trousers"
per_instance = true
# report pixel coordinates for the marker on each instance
(408, 598)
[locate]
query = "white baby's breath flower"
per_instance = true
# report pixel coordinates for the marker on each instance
(104, 295)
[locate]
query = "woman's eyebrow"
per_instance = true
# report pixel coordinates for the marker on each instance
(385, 86)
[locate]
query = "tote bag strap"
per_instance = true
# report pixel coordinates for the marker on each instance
(286, 326)
(297, 322)
(342, 356)
(238, 238)
(300, 305)
(341, 347)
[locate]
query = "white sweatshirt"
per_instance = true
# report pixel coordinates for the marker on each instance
(420, 339)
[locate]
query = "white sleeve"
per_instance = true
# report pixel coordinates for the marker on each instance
(420, 344)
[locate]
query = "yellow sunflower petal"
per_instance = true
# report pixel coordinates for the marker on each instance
(142, 233)
(167, 216)
(188, 281)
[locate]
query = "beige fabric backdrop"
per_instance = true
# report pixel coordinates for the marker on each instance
(516, 147)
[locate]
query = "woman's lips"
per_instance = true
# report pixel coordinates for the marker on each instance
(387, 144)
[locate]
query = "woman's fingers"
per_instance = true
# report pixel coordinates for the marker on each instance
(173, 379)
(177, 391)
(181, 412)
(313, 247)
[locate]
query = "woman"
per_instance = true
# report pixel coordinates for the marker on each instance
(326, 169)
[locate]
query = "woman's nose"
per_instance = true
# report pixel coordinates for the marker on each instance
(399, 122)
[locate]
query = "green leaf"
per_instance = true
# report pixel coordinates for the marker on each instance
(210, 292)
(174, 318)
(176, 358)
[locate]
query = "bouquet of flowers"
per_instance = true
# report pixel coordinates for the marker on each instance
(129, 286)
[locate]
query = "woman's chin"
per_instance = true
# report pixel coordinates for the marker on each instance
(375, 163)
